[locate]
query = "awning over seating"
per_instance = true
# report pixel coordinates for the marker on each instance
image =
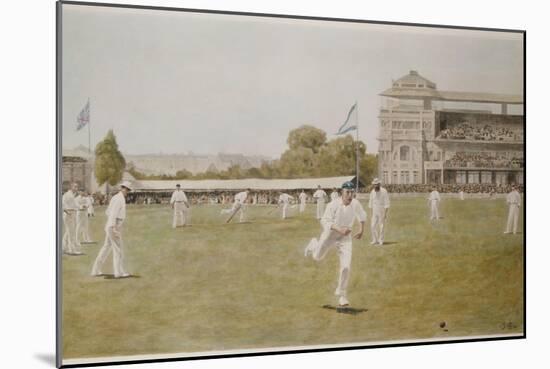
(241, 184)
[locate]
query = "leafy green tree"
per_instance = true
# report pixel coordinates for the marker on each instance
(298, 162)
(109, 162)
(307, 137)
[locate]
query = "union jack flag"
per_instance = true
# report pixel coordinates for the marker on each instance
(83, 117)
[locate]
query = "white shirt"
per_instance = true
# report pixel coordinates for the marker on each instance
(81, 202)
(285, 198)
(241, 197)
(434, 196)
(69, 201)
(514, 198)
(303, 197)
(320, 195)
(334, 195)
(178, 196)
(116, 210)
(379, 200)
(89, 201)
(342, 215)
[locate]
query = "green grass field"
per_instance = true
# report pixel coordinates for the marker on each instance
(216, 286)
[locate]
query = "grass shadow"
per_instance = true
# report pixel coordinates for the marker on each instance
(111, 276)
(345, 309)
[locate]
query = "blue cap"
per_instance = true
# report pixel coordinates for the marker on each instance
(348, 186)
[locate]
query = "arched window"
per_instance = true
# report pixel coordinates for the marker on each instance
(405, 153)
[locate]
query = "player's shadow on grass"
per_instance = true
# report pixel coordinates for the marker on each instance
(386, 243)
(112, 276)
(345, 309)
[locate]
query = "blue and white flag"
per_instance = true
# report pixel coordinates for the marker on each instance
(351, 121)
(83, 117)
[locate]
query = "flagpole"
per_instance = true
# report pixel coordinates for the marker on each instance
(357, 149)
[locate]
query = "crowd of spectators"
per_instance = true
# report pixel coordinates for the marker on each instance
(451, 188)
(216, 197)
(466, 131)
(482, 160)
(272, 197)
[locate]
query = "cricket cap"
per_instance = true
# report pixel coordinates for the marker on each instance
(348, 186)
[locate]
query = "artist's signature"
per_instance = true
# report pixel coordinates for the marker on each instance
(508, 325)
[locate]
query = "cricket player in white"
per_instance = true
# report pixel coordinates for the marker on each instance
(303, 199)
(116, 214)
(82, 232)
(180, 204)
(239, 205)
(513, 199)
(334, 195)
(379, 202)
(337, 223)
(461, 195)
(320, 197)
(70, 207)
(91, 211)
(285, 200)
(433, 202)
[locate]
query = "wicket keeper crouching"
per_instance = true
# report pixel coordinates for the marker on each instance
(337, 223)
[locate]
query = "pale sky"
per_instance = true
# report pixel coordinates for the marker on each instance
(175, 82)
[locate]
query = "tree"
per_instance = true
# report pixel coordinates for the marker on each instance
(307, 137)
(337, 158)
(298, 162)
(109, 162)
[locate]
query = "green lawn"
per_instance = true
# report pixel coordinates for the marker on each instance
(216, 286)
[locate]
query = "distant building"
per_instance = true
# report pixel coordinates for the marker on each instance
(421, 143)
(76, 169)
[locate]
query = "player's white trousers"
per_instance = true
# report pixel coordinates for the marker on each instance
(320, 209)
(377, 225)
(82, 233)
(434, 210)
(302, 207)
(343, 245)
(113, 242)
(180, 215)
(513, 215)
(234, 209)
(285, 208)
(69, 235)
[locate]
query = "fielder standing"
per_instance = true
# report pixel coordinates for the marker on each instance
(116, 214)
(334, 194)
(82, 231)
(433, 202)
(180, 204)
(320, 197)
(90, 200)
(303, 199)
(379, 202)
(70, 207)
(337, 223)
(513, 199)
